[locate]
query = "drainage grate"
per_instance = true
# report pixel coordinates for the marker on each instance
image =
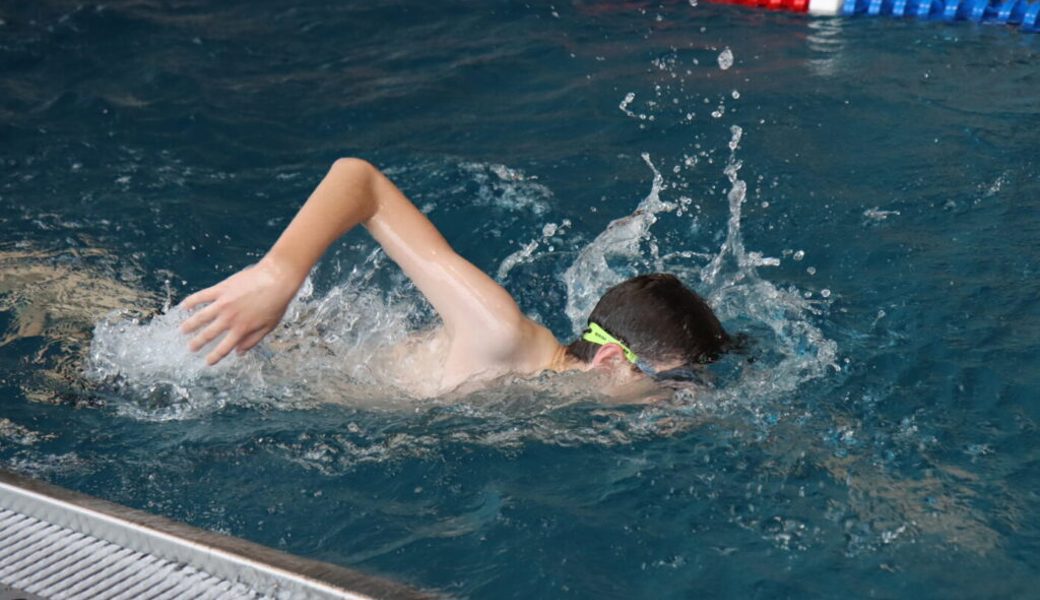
(58, 544)
(48, 561)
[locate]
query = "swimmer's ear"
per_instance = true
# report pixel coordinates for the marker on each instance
(607, 355)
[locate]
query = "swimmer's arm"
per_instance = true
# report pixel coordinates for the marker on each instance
(477, 312)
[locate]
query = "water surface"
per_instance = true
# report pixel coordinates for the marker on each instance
(859, 196)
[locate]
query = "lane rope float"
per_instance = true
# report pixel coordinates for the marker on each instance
(1023, 14)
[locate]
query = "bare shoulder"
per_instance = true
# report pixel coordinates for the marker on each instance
(432, 362)
(514, 345)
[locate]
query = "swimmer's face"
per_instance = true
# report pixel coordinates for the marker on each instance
(623, 383)
(626, 382)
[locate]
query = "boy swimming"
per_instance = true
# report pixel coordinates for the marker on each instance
(648, 325)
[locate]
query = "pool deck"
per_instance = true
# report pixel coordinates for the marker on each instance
(55, 543)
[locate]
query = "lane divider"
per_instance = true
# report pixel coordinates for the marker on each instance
(1024, 14)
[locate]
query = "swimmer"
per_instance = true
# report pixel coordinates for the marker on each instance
(651, 325)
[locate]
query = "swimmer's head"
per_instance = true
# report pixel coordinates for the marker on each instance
(654, 318)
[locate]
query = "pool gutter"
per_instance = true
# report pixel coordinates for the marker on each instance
(71, 526)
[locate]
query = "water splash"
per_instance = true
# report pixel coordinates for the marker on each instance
(526, 252)
(780, 320)
(330, 348)
(733, 248)
(616, 253)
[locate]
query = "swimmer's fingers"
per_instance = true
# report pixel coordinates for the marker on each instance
(251, 340)
(197, 320)
(207, 335)
(222, 349)
(200, 297)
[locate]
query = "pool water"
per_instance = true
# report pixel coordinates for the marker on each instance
(860, 197)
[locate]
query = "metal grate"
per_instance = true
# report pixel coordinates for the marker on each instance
(7, 593)
(55, 562)
(58, 544)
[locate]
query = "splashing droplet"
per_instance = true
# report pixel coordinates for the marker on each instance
(725, 59)
(629, 98)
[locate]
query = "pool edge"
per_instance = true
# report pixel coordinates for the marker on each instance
(262, 568)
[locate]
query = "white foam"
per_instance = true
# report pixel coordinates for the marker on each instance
(323, 350)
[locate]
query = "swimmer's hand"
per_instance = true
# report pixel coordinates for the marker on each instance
(245, 306)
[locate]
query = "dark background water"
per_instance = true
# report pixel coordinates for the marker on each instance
(150, 148)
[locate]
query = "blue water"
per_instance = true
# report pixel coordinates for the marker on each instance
(883, 441)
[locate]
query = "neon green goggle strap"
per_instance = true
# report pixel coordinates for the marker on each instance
(599, 336)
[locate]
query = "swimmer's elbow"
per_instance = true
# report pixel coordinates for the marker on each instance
(354, 167)
(357, 182)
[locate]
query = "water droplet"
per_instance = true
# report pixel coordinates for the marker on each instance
(726, 59)
(629, 98)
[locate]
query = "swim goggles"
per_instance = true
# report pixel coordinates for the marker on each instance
(599, 336)
(595, 334)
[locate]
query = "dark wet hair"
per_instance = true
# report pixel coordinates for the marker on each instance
(660, 319)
